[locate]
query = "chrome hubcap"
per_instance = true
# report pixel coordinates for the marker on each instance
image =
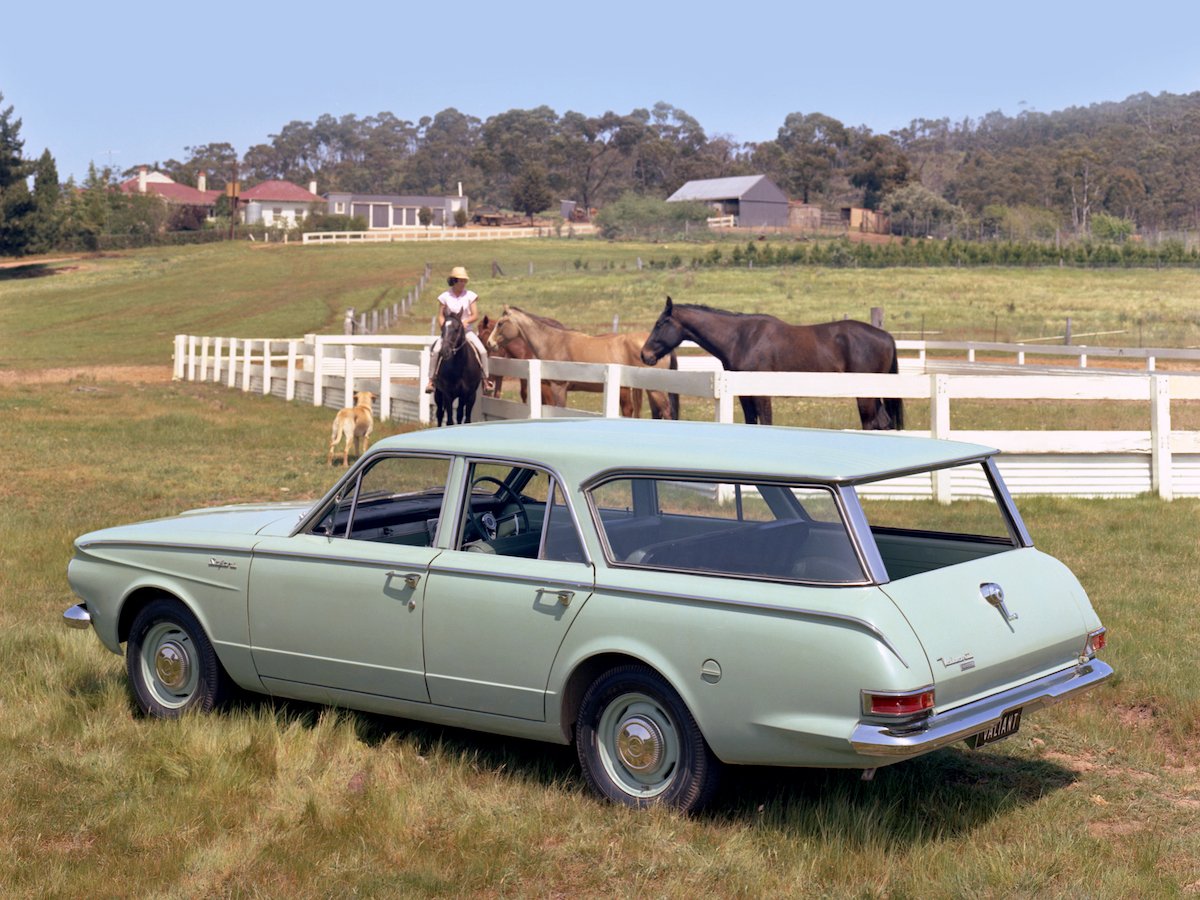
(640, 744)
(172, 665)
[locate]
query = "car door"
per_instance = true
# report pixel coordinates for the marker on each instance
(340, 605)
(497, 608)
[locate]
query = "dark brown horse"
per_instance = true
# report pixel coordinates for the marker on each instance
(760, 343)
(458, 373)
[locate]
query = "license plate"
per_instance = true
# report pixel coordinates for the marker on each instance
(1008, 725)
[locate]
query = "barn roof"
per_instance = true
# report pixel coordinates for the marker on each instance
(721, 188)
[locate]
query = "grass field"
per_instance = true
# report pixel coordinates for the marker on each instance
(1099, 797)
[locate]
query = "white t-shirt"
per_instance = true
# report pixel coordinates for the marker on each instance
(458, 304)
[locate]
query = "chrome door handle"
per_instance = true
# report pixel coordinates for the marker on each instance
(411, 579)
(565, 597)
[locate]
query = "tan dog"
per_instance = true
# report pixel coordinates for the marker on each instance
(354, 423)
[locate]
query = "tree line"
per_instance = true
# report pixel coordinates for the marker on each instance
(1104, 171)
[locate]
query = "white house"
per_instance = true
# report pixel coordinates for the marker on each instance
(278, 203)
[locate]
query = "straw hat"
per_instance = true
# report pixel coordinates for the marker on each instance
(460, 273)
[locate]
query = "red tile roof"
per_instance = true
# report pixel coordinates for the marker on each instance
(172, 192)
(280, 190)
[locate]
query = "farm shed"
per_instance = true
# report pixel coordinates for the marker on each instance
(384, 211)
(278, 203)
(754, 200)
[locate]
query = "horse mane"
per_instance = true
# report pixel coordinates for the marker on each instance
(711, 309)
(544, 320)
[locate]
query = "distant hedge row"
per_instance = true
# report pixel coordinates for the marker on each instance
(918, 253)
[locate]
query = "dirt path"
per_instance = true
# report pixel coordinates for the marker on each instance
(126, 374)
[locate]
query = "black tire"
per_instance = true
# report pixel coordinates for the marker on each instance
(171, 662)
(639, 745)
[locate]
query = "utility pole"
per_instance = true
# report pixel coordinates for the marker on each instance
(232, 193)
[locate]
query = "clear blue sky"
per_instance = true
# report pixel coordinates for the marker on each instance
(122, 82)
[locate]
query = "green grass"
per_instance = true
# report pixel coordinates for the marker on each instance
(1096, 797)
(276, 798)
(126, 308)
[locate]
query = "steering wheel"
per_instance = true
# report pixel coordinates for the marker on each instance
(485, 524)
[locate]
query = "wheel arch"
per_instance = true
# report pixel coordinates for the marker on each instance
(591, 668)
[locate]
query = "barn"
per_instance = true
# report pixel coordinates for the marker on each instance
(753, 200)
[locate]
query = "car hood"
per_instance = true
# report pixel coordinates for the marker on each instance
(224, 524)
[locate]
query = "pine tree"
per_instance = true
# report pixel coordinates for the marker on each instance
(16, 203)
(47, 206)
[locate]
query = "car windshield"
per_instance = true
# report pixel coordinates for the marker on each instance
(769, 530)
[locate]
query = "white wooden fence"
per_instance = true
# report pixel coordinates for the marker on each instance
(407, 235)
(325, 370)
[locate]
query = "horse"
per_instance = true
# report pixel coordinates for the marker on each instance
(459, 373)
(354, 424)
(545, 338)
(760, 343)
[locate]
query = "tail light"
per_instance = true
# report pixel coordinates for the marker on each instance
(894, 705)
(1096, 641)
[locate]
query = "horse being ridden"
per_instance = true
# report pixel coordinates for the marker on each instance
(459, 373)
(761, 343)
(548, 339)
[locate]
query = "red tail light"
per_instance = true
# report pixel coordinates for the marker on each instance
(893, 705)
(1096, 642)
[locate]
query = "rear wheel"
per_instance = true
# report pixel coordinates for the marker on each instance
(639, 745)
(171, 663)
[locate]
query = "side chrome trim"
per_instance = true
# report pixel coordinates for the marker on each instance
(873, 739)
(77, 616)
(765, 607)
(585, 586)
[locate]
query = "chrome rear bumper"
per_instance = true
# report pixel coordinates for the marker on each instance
(78, 616)
(872, 739)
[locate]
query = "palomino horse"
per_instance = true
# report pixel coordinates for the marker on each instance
(760, 343)
(458, 374)
(545, 339)
(516, 348)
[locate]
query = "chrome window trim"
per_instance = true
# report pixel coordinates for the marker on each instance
(836, 490)
(670, 597)
(1016, 525)
(469, 460)
(435, 569)
(353, 473)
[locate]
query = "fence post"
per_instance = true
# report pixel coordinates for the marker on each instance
(939, 427)
(1160, 437)
(724, 397)
(348, 322)
(385, 383)
(289, 392)
(535, 389)
(247, 349)
(348, 359)
(219, 346)
(318, 370)
(191, 357)
(267, 360)
(233, 358)
(612, 391)
(423, 370)
(204, 358)
(180, 356)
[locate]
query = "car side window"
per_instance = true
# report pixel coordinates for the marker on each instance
(789, 532)
(517, 511)
(396, 500)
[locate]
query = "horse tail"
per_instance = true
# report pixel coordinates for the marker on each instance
(894, 406)
(673, 399)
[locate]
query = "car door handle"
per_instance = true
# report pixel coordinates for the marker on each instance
(411, 579)
(565, 597)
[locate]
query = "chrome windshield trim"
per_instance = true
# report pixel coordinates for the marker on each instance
(875, 739)
(765, 607)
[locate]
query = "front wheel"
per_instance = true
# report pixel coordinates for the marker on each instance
(639, 745)
(171, 663)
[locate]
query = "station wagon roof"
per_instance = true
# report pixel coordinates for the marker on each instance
(582, 447)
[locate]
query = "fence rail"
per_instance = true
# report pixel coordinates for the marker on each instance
(408, 235)
(326, 370)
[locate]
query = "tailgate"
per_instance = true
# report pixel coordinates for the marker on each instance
(973, 647)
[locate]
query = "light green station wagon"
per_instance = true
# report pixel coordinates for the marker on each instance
(672, 597)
